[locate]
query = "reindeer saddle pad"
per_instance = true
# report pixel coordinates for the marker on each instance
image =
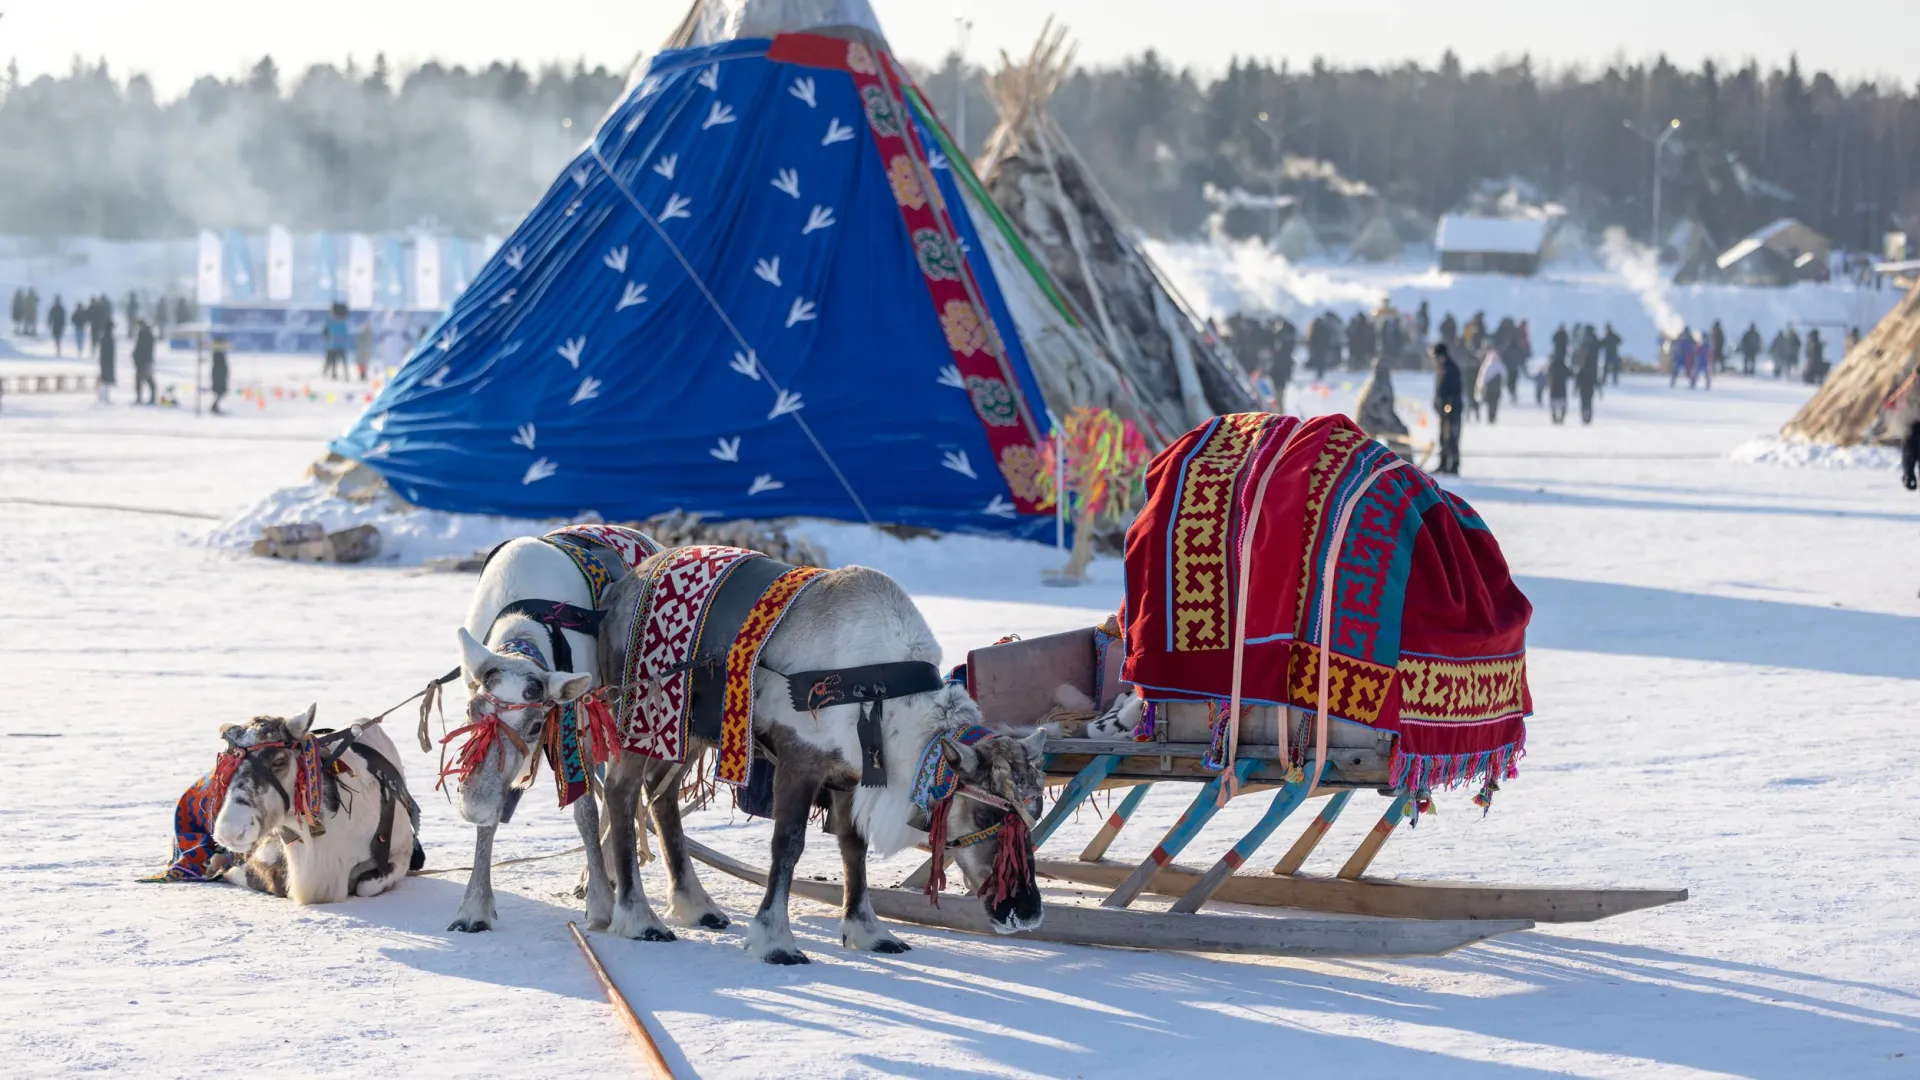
(699, 622)
(589, 545)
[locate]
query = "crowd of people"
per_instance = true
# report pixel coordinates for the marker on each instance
(89, 323)
(1697, 356)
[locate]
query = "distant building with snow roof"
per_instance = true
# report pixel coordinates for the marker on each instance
(1488, 245)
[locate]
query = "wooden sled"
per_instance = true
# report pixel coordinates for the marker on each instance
(1251, 935)
(1013, 682)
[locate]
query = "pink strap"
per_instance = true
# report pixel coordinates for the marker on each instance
(1326, 617)
(1230, 785)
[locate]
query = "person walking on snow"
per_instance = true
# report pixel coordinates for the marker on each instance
(1449, 401)
(1586, 377)
(1905, 407)
(143, 364)
(220, 375)
(56, 322)
(1557, 374)
(1492, 381)
(103, 343)
(1750, 349)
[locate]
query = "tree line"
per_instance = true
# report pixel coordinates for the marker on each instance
(366, 147)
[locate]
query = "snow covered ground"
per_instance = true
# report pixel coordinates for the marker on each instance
(1725, 659)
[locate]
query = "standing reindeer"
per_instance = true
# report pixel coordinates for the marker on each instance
(991, 784)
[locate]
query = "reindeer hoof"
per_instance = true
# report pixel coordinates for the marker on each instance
(785, 957)
(888, 945)
(654, 933)
(470, 926)
(713, 920)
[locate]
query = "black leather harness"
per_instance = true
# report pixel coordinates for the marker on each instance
(393, 792)
(869, 686)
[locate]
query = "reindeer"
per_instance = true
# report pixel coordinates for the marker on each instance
(849, 617)
(309, 831)
(513, 678)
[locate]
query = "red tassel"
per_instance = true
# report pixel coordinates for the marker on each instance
(1012, 861)
(602, 733)
(937, 843)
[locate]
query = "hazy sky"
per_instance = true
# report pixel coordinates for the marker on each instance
(175, 42)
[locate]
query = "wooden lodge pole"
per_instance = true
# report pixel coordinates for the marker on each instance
(656, 1062)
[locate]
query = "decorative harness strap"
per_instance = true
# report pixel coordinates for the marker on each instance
(871, 684)
(935, 784)
(556, 616)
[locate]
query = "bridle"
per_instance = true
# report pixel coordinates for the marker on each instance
(936, 786)
(485, 728)
(309, 771)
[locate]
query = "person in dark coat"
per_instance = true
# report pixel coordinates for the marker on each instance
(1586, 373)
(1516, 360)
(1793, 351)
(1422, 322)
(160, 314)
(1449, 404)
(182, 312)
(1750, 349)
(1558, 358)
(1360, 343)
(1610, 356)
(19, 304)
(1717, 346)
(1558, 372)
(56, 322)
(219, 373)
(133, 313)
(1816, 358)
(103, 345)
(143, 364)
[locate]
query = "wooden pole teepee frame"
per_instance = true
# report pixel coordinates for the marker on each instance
(1849, 409)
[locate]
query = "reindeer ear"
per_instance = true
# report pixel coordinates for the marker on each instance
(564, 686)
(301, 723)
(230, 732)
(959, 755)
(473, 655)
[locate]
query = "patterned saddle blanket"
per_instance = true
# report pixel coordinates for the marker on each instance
(604, 554)
(698, 624)
(1424, 626)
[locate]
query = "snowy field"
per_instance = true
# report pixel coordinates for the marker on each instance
(1725, 659)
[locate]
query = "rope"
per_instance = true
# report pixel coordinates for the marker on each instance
(1231, 786)
(502, 862)
(726, 320)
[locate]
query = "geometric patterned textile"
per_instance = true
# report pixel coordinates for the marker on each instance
(669, 612)
(1426, 631)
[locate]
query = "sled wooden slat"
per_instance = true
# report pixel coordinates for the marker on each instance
(1247, 935)
(1296, 855)
(1204, 806)
(1096, 848)
(1285, 802)
(1375, 839)
(1349, 767)
(1087, 777)
(1381, 897)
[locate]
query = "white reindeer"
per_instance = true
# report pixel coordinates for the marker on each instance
(331, 851)
(507, 663)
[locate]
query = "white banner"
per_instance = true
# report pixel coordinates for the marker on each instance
(279, 263)
(210, 284)
(360, 272)
(426, 273)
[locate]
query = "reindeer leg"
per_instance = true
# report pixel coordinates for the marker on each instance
(859, 929)
(769, 935)
(632, 917)
(265, 868)
(476, 907)
(597, 892)
(688, 904)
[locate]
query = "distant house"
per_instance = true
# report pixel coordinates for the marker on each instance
(1484, 245)
(1780, 254)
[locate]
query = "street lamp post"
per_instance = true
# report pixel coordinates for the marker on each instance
(1659, 143)
(1277, 138)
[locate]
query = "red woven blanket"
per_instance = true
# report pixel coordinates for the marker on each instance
(1426, 631)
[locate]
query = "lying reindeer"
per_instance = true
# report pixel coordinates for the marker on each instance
(985, 782)
(309, 818)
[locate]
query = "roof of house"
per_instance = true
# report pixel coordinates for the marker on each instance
(1506, 236)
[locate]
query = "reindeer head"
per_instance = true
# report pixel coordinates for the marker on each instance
(998, 800)
(510, 690)
(260, 770)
